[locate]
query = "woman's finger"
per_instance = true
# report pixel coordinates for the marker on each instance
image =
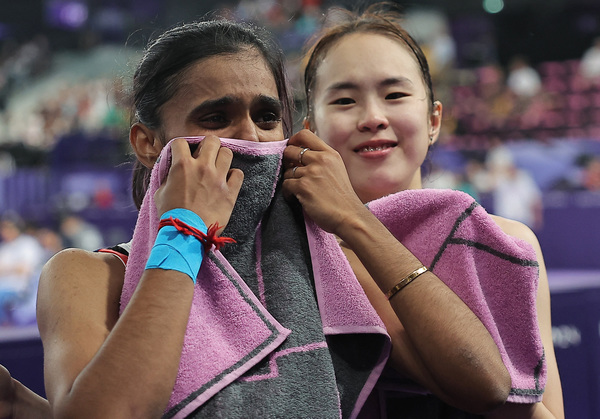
(294, 156)
(180, 149)
(306, 138)
(209, 149)
(235, 177)
(224, 158)
(301, 155)
(293, 172)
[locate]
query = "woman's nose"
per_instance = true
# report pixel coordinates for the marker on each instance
(374, 119)
(246, 129)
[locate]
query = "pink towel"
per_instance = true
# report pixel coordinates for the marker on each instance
(245, 334)
(495, 274)
(255, 326)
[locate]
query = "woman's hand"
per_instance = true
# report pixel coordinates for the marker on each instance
(203, 182)
(318, 178)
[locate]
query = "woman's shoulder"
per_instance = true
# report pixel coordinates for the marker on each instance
(77, 267)
(516, 229)
(73, 259)
(82, 285)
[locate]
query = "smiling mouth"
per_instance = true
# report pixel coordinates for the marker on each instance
(368, 149)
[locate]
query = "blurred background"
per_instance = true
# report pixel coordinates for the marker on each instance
(520, 84)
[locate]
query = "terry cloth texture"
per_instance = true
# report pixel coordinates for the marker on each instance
(266, 336)
(496, 275)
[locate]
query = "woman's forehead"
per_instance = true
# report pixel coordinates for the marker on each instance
(368, 54)
(244, 70)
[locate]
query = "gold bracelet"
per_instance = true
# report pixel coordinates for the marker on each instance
(405, 281)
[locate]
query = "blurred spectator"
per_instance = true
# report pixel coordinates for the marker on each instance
(440, 178)
(478, 176)
(81, 234)
(441, 53)
(589, 66)
(515, 194)
(50, 240)
(522, 79)
(21, 257)
(591, 174)
(103, 195)
(465, 185)
(27, 60)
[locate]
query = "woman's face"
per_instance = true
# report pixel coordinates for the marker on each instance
(228, 95)
(371, 105)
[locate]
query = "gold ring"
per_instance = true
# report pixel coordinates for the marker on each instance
(294, 172)
(302, 154)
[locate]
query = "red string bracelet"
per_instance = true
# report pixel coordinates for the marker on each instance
(209, 239)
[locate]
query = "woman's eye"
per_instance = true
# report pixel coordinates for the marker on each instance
(395, 95)
(343, 101)
(269, 120)
(213, 121)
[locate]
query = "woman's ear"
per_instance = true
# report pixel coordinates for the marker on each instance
(145, 144)
(307, 125)
(435, 121)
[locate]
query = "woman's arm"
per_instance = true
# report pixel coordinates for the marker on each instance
(437, 340)
(100, 364)
(97, 365)
(552, 401)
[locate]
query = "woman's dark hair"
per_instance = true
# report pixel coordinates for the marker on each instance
(381, 18)
(159, 73)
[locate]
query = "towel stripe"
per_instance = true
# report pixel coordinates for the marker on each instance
(450, 239)
(242, 361)
(273, 357)
(537, 371)
(488, 249)
(457, 223)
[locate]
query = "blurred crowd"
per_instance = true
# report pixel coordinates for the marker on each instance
(486, 107)
(518, 100)
(550, 100)
(24, 248)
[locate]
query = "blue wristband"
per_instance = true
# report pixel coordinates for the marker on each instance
(174, 250)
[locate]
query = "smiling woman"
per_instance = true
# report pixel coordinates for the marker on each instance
(419, 254)
(377, 113)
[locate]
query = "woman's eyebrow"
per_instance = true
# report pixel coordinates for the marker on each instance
(393, 81)
(210, 104)
(225, 101)
(390, 81)
(342, 85)
(268, 102)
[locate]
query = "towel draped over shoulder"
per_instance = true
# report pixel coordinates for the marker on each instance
(279, 325)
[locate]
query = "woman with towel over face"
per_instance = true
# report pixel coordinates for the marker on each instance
(371, 120)
(175, 327)
(214, 78)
